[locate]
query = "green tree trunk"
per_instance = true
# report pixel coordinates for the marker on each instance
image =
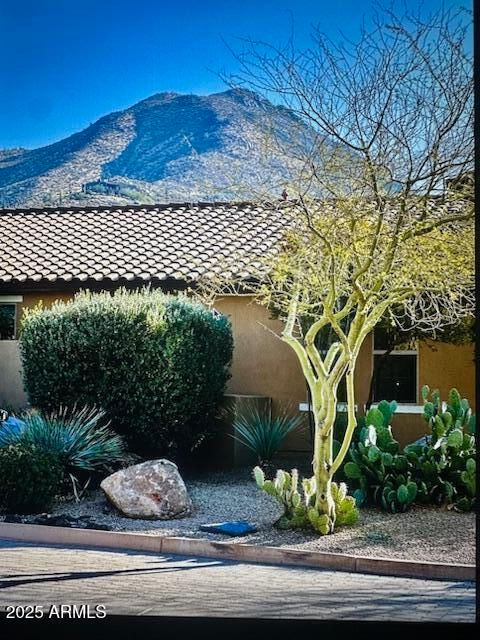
(325, 403)
(324, 466)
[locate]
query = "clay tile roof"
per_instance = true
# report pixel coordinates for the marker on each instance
(181, 241)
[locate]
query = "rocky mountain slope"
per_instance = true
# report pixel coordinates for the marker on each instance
(167, 148)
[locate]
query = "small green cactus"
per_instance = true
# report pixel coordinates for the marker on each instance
(375, 418)
(398, 494)
(309, 490)
(353, 470)
(345, 505)
(299, 510)
(320, 522)
(441, 417)
(259, 477)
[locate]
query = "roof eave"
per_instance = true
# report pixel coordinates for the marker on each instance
(29, 285)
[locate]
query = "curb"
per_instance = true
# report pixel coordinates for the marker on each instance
(44, 534)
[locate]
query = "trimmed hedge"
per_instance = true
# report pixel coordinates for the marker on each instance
(156, 364)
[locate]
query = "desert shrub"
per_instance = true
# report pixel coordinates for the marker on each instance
(157, 365)
(30, 478)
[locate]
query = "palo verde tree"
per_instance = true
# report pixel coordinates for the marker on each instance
(370, 227)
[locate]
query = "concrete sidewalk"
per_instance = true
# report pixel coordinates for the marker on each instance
(137, 583)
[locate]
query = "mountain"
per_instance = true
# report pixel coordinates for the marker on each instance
(168, 148)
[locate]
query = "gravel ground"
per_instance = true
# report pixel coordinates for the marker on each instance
(423, 533)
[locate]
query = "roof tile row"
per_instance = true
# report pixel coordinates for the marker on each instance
(183, 242)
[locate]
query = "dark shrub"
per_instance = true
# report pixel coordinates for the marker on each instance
(156, 364)
(30, 478)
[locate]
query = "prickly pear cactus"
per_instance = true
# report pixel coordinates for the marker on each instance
(374, 461)
(398, 494)
(284, 488)
(469, 477)
(444, 418)
(380, 474)
(442, 465)
(345, 505)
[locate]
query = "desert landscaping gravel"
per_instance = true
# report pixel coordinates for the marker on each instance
(429, 534)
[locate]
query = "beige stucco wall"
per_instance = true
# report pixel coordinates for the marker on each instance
(264, 365)
(446, 365)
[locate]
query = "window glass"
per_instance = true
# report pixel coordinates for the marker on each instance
(7, 321)
(396, 378)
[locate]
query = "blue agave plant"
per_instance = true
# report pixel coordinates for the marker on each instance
(76, 437)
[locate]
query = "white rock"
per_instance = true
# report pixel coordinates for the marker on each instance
(150, 490)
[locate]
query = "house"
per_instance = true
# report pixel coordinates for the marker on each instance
(50, 254)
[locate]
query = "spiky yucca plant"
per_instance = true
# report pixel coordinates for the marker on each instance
(264, 434)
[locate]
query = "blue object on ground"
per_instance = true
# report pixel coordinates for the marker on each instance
(237, 528)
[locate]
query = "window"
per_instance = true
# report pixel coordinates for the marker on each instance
(8, 316)
(396, 372)
(7, 320)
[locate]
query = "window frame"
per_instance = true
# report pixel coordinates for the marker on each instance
(400, 353)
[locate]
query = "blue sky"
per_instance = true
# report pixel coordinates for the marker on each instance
(65, 63)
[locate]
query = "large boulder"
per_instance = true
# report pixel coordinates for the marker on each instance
(151, 490)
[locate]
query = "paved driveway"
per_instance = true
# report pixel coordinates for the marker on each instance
(140, 583)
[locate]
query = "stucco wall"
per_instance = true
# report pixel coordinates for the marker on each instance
(264, 365)
(446, 365)
(11, 386)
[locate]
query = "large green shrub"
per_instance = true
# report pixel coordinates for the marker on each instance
(156, 364)
(30, 477)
